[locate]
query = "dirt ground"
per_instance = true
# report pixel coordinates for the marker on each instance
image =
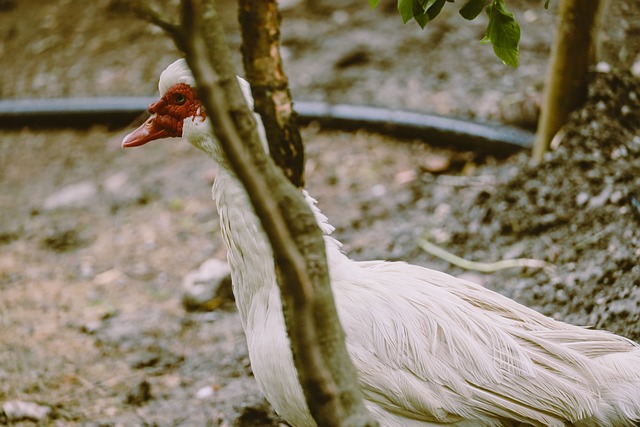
(95, 242)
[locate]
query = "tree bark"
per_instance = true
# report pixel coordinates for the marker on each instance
(324, 369)
(259, 21)
(573, 51)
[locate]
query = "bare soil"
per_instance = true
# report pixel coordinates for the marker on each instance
(95, 242)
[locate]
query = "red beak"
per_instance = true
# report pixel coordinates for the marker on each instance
(147, 132)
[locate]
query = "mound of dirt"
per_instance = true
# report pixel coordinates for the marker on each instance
(584, 199)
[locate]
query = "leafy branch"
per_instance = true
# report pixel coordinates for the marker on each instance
(503, 32)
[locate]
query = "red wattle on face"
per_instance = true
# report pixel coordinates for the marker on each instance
(167, 116)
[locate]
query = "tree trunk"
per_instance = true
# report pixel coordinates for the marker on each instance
(259, 21)
(573, 51)
(324, 369)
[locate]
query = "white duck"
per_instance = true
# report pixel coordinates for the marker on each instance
(430, 349)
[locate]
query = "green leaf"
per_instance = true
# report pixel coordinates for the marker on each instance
(423, 17)
(425, 4)
(546, 4)
(503, 32)
(435, 8)
(422, 11)
(373, 3)
(405, 7)
(420, 15)
(422, 20)
(472, 9)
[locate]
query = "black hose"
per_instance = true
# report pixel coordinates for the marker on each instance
(78, 112)
(71, 112)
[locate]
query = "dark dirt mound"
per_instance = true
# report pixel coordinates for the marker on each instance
(585, 199)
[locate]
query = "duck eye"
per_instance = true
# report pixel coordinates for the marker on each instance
(180, 98)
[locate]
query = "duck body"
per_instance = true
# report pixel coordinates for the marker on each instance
(430, 349)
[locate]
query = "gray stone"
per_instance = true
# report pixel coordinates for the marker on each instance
(17, 410)
(207, 287)
(74, 195)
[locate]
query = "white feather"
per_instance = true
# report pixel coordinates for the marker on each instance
(177, 72)
(430, 349)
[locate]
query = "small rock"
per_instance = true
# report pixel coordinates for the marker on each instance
(16, 410)
(207, 287)
(91, 327)
(107, 277)
(340, 17)
(378, 191)
(440, 235)
(621, 307)
(405, 177)
(582, 198)
(436, 163)
(601, 199)
(74, 195)
(442, 212)
(561, 296)
(615, 197)
(619, 152)
(205, 392)
(116, 183)
(530, 16)
(603, 67)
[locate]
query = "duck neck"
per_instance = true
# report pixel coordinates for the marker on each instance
(248, 250)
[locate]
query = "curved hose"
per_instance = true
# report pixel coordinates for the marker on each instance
(120, 111)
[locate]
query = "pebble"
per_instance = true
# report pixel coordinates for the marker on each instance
(203, 288)
(603, 67)
(205, 392)
(615, 197)
(116, 182)
(17, 410)
(378, 191)
(74, 195)
(530, 15)
(436, 163)
(582, 198)
(405, 177)
(601, 199)
(561, 296)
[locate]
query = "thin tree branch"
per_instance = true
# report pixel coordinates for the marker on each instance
(144, 11)
(259, 21)
(326, 373)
